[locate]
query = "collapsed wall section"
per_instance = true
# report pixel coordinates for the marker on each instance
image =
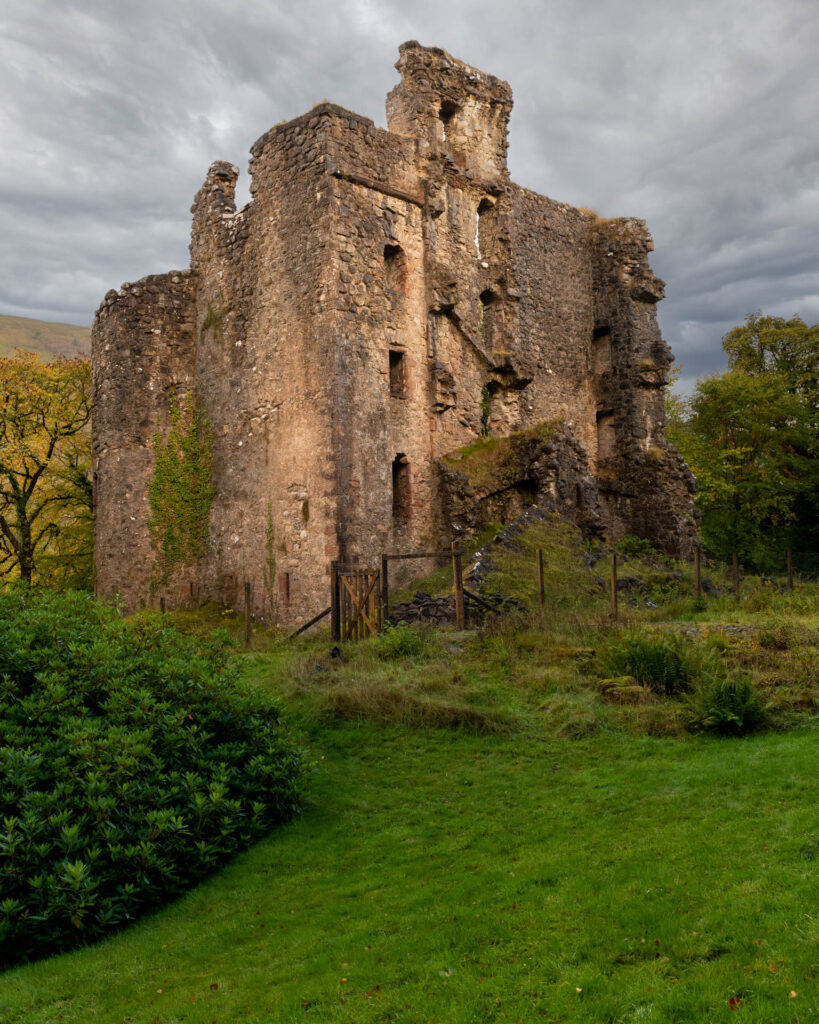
(645, 486)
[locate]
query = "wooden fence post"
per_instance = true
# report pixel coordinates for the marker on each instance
(458, 584)
(335, 617)
(247, 613)
(790, 571)
(735, 569)
(385, 591)
(540, 591)
(162, 606)
(614, 584)
(697, 572)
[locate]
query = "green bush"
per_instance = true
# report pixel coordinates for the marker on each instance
(662, 663)
(398, 642)
(132, 765)
(727, 707)
(636, 547)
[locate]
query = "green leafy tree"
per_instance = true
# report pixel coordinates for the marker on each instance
(750, 437)
(766, 345)
(45, 470)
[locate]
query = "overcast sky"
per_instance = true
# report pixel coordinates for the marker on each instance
(700, 116)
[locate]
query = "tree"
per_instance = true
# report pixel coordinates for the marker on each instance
(45, 464)
(751, 437)
(766, 345)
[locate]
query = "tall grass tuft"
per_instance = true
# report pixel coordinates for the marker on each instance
(727, 707)
(664, 664)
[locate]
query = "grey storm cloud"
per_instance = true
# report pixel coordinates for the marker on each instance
(698, 116)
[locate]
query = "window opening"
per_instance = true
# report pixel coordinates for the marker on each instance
(395, 268)
(398, 379)
(486, 299)
(606, 435)
(601, 342)
(482, 239)
(400, 487)
(446, 112)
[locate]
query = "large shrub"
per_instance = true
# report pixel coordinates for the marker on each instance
(131, 765)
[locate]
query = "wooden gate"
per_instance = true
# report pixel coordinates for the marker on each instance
(356, 596)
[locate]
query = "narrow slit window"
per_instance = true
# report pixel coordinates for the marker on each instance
(601, 342)
(447, 111)
(486, 314)
(400, 487)
(395, 269)
(398, 374)
(484, 227)
(606, 435)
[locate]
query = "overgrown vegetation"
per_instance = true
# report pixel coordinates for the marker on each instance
(180, 492)
(491, 463)
(132, 765)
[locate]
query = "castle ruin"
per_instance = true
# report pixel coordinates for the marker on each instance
(386, 301)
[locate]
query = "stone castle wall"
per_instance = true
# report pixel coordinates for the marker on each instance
(387, 298)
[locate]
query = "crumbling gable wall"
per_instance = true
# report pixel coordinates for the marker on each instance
(387, 298)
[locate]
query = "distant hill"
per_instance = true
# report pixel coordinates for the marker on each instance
(46, 339)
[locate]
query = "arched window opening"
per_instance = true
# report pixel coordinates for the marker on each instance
(484, 226)
(446, 112)
(400, 487)
(395, 269)
(398, 374)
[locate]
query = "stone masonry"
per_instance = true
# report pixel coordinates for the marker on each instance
(387, 299)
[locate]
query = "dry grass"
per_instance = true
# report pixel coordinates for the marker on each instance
(379, 703)
(47, 340)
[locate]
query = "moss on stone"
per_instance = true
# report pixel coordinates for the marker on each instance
(494, 463)
(180, 491)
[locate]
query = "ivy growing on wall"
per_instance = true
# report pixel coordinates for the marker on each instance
(486, 410)
(270, 548)
(180, 491)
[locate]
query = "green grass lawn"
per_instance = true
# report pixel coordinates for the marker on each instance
(441, 876)
(489, 837)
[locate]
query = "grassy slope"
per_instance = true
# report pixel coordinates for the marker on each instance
(441, 877)
(47, 340)
(541, 845)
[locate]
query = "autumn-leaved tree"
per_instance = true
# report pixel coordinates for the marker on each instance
(45, 470)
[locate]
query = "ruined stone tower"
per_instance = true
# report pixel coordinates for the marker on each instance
(387, 298)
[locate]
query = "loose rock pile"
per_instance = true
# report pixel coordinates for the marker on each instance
(440, 611)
